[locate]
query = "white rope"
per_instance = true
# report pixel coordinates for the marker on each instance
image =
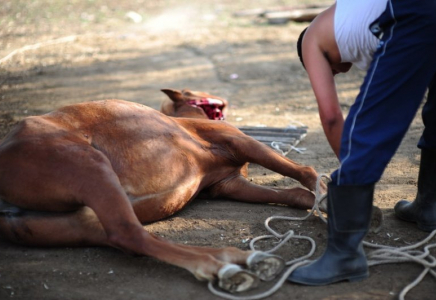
(268, 293)
(279, 146)
(389, 255)
(283, 238)
(285, 148)
(382, 254)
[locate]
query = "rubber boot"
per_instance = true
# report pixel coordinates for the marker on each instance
(422, 210)
(349, 215)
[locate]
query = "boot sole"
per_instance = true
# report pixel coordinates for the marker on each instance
(421, 226)
(350, 278)
(426, 227)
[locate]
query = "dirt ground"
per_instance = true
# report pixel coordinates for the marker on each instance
(82, 50)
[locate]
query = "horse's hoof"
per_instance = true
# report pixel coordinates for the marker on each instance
(232, 278)
(323, 204)
(265, 266)
(376, 220)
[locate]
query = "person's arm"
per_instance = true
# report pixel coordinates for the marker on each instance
(321, 77)
(323, 85)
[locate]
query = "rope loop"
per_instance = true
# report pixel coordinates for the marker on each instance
(381, 255)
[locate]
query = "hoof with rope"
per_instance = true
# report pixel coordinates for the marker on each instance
(265, 266)
(232, 278)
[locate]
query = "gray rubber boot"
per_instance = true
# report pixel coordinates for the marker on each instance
(422, 210)
(349, 216)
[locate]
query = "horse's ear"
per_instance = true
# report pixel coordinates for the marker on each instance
(174, 95)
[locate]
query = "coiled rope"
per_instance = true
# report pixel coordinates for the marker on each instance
(382, 254)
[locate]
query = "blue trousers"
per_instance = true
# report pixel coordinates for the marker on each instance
(403, 67)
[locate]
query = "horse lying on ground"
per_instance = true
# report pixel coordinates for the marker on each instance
(90, 174)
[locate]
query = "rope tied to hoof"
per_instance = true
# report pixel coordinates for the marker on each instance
(382, 255)
(283, 239)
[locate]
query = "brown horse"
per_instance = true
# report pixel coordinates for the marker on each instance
(92, 173)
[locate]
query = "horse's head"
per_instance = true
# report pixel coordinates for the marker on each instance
(193, 104)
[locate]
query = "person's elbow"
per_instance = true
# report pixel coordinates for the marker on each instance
(332, 121)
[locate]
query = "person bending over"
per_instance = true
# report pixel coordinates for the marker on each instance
(395, 40)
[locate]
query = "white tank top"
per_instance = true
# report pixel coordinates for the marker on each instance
(355, 41)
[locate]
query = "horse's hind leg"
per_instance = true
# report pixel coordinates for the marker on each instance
(265, 266)
(77, 228)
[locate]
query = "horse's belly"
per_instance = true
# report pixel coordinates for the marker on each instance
(156, 205)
